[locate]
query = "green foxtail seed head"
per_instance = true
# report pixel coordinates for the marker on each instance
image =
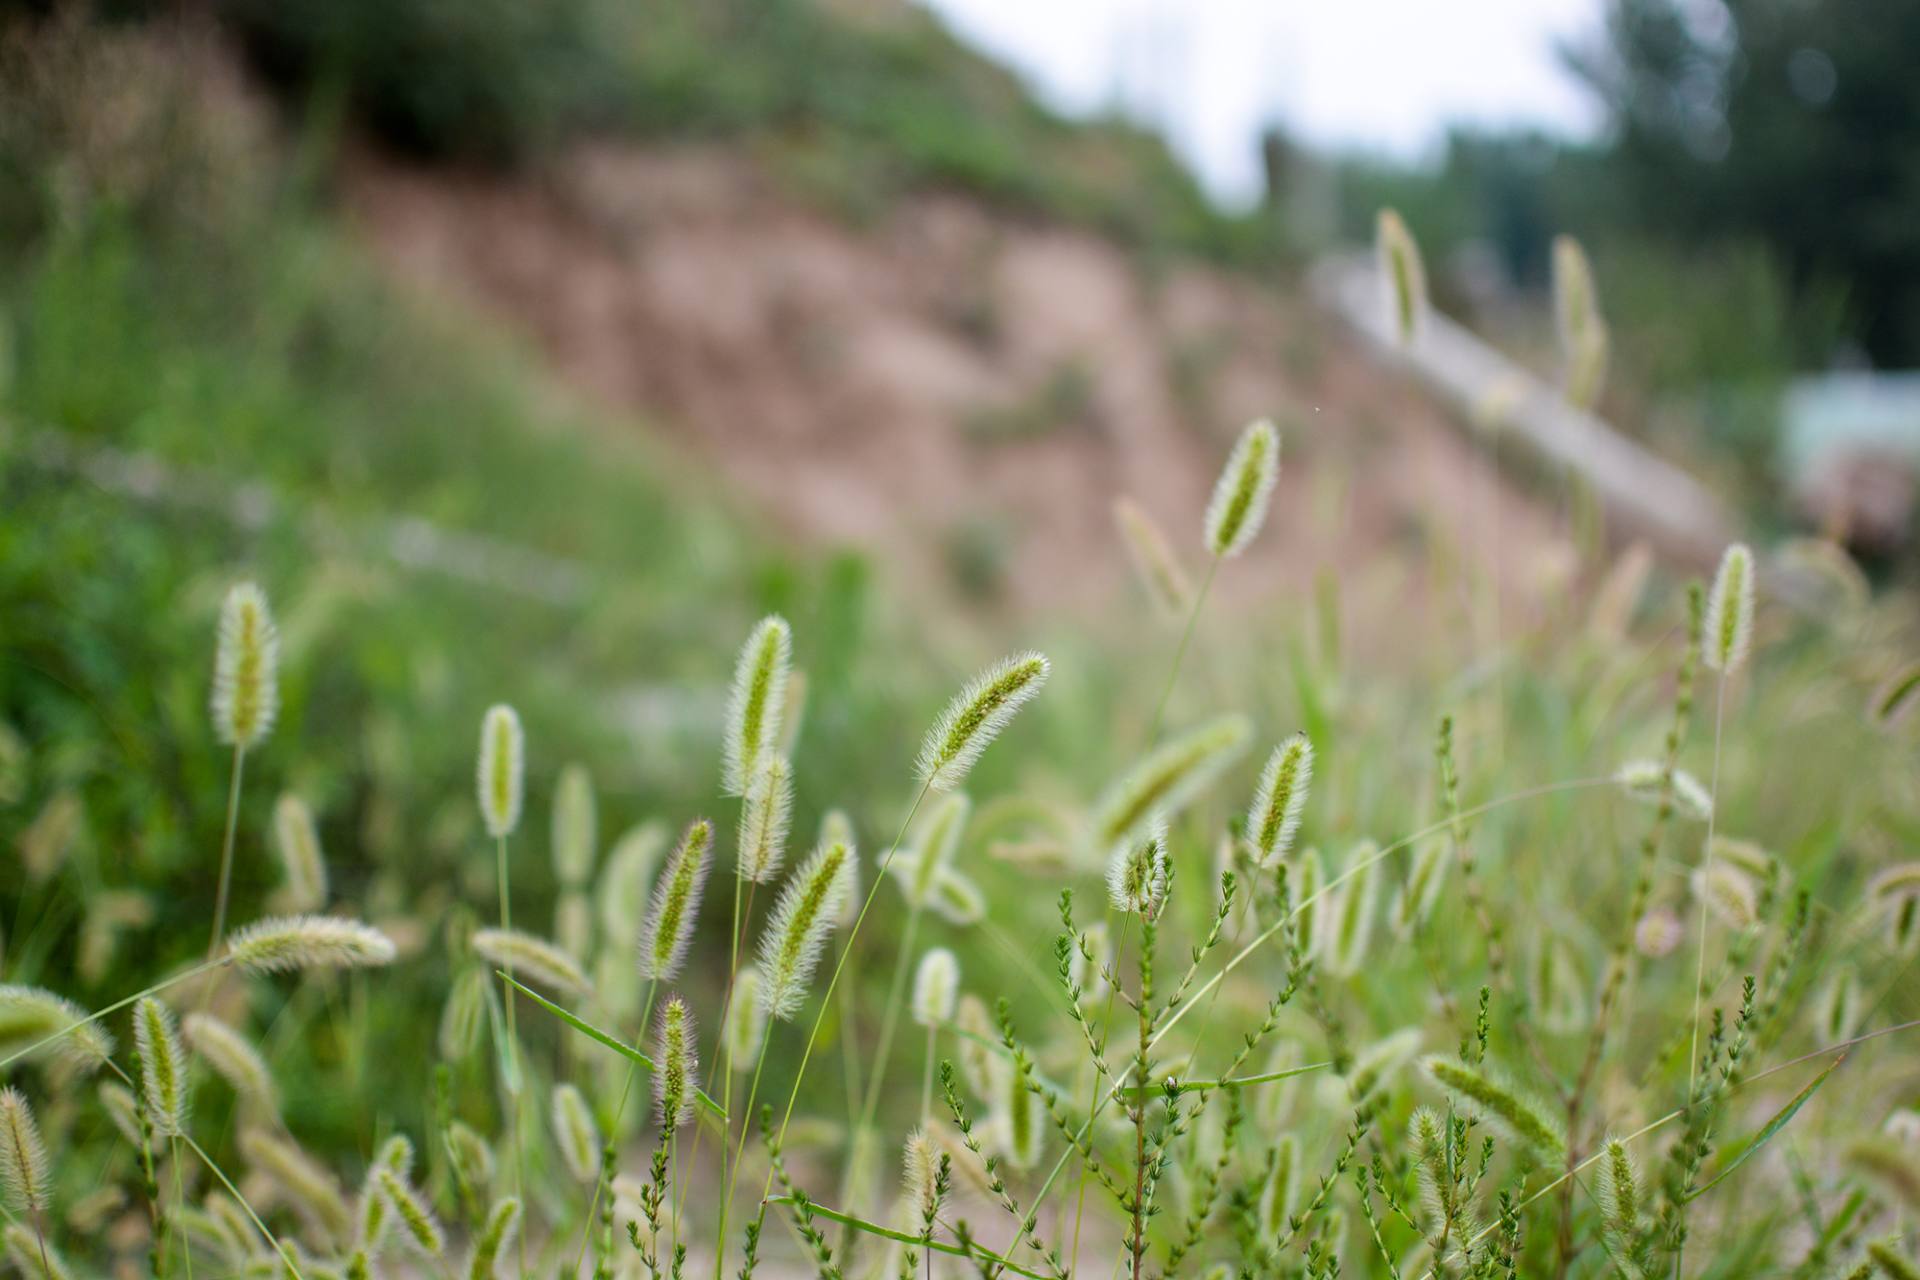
(303, 868)
(976, 1058)
(1414, 901)
(746, 1028)
(1641, 780)
(1310, 908)
(1167, 779)
(24, 1177)
(286, 943)
(1277, 1190)
(575, 1133)
(305, 1186)
(668, 929)
(232, 1056)
(1617, 1187)
(1895, 699)
(920, 1171)
(31, 1014)
(524, 955)
(1893, 1264)
(627, 878)
(837, 828)
(1404, 276)
(806, 913)
(1153, 559)
(1137, 872)
(494, 1240)
(1559, 987)
(411, 1213)
(1353, 912)
(1748, 855)
(470, 1153)
(765, 819)
(575, 835)
(918, 870)
(1585, 342)
(976, 717)
(121, 1108)
(758, 700)
(1838, 1009)
(1729, 893)
(1519, 1116)
(936, 987)
(246, 690)
(163, 1067)
(1245, 487)
(396, 1154)
(676, 1068)
(502, 771)
(461, 1019)
(1727, 632)
(32, 1256)
(1022, 1118)
(957, 900)
(1274, 817)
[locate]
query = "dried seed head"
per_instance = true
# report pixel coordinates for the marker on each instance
(302, 864)
(977, 1034)
(575, 833)
(232, 1056)
(411, 1211)
(575, 1133)
(677, 1067)
(491, 1245)
(287, 943)
(1170, 776)
(1727, 631)
(502, 771)
(765, 819)
(808, 909)
(1500, 1104)
(1404, 276)
(758, 700)
(976, 717)
(305, 1186)
(936, 987)
(1274, 817)
(1241, 494)
(627, 879)
(31, 1014)
(246, 692)
(24, 1173)
(1641, 780)
(746, 1028)
(1729, 893)
(1153, 559)
(1137, 873)
(163, 1067)
(668, 929)
(1353, 912)
(921, 1174)
(523, 955)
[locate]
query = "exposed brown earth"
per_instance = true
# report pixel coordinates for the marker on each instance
(946, 377)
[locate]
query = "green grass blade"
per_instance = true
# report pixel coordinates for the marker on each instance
(1771, 1128)
(612, 1042)
(887, 1233)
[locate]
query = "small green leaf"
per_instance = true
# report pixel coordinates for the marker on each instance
(1767, 1131)
(612, 1042)
(887, 1233)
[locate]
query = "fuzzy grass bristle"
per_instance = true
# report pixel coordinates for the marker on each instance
(808, 909)
(676, 1065)
(284, 944)
(575, 1133)
(1171, 775)
(415, 1217)
(1137, 873)
(765, 819)
(29, 1015)
(1403, 276)
(1273, 819)
(936, 987)
(675, 906)
(303, 866)
(1727, 632)
(246, 692)
(757, 702)
(976, 716)
(626, 879)
(576, 837)
(501, 773)
(24, 1169)
(1153, 559)
(746, 1025)
(163, 1067)
(1242, 493)
(536, 958)
(1643, 780)
(1519, 1116)
(920, 1172)
(232, 1056)
(491, 1244)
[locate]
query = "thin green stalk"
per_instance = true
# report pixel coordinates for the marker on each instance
(889, 1020)
(1180, 653)
(1706, 869)
(154, 990)
(513, 1081)
(926, 1074)
(620, 1110)
(730, 1170)
(1093, 1090)
(226, 850)
(278, 1246)
(180, 1198)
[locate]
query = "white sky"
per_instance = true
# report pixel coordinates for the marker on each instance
(1379, 74)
